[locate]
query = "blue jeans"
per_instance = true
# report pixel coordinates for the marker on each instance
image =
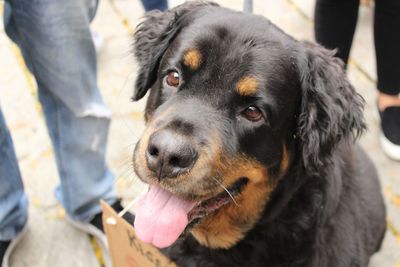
(155, 4)
(56, 43)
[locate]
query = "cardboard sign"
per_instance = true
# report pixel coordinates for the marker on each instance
(126, 250)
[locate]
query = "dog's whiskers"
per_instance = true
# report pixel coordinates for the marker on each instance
(226, 189)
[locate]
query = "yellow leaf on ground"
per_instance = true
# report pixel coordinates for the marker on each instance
(97, 250)
(137, 115)
(394, 198)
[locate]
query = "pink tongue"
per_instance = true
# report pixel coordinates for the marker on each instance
(161, 217)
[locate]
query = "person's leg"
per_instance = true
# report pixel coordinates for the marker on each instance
(149, 5)
(13, 202)
(335, 23)
(55, 38)
(387, 46)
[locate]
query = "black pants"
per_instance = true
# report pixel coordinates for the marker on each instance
(335, 23)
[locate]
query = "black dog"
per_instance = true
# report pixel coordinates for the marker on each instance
(249, 148)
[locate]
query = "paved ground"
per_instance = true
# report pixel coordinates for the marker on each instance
(50, 240)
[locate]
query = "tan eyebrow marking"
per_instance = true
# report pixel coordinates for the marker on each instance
(247, 86)
(192, 58)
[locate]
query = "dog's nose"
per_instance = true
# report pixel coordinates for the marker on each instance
(169, 154)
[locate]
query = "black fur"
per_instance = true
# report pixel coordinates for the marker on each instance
(327, 209)
(152, 38)
(331, 110)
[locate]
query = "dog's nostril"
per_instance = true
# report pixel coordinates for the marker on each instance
(183, 160)
(174, 161)
(169, 154)
(153, 151)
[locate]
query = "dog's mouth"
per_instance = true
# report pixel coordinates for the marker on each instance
(205, 207)
(162, 217)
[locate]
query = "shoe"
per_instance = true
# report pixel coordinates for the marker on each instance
(95, 226)
(7, 247)
(390, 135)
(4, 252)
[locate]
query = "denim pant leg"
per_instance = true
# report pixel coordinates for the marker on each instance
(13, 202)
(149, 5)
(55, 38)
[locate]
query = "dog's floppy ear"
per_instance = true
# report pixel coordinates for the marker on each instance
(153, 37)
(331, 110)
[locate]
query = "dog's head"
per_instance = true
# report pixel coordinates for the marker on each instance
(233, 103)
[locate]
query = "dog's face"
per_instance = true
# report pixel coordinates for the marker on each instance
(225, 108)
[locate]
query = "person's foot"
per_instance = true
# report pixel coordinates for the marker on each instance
(95, 226)
(389, 111)
(385, 101)
(7, 247)
(4, 245)
(390, 135)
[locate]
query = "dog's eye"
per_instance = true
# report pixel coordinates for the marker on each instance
(173, 79)
(252, 113)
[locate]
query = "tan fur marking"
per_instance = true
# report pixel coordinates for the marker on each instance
(247, 86)
(228, 225)
(284, 162)
(192, 59)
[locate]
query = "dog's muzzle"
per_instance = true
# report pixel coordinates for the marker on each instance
(169, 154)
